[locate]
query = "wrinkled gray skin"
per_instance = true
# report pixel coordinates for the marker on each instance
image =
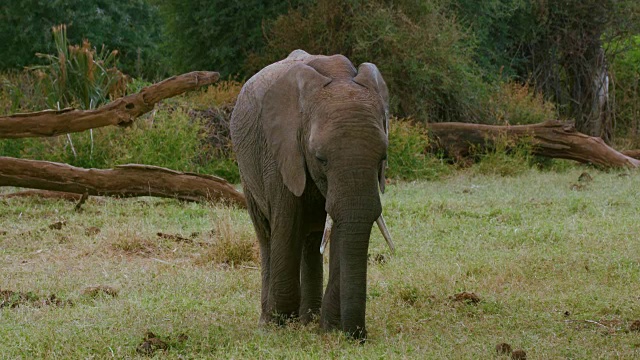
(310, 135)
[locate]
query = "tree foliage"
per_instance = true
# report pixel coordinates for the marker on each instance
(418, 49)
(216, 34)
(562, 46)
(132, 27)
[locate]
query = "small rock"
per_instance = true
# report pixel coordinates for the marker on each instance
(503, 348)
(519, 355)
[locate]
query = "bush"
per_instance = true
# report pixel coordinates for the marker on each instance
(408, 156)
(506, 158)
(420, 50)
(519, 104)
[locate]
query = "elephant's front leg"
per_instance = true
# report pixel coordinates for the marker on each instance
(330, 313)
(286, 250)
(311, 277)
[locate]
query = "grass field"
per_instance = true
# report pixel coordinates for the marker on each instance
(555, 263)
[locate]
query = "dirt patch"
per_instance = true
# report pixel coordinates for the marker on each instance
(153, 343)
(466, 297)
(92, 230)
(134, 245)
(378, 259)
(181, 239)
(635, 326)
(58, 225)
(13, 299)
(503, 349)
(100, 290)
(519, 355)
(585, 177)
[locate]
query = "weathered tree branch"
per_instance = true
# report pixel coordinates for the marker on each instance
(553, 139)
(120, 112)
(122, 181)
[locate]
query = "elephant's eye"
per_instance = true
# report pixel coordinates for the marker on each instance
(322, 159)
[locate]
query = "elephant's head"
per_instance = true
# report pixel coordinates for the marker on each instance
(327, 123)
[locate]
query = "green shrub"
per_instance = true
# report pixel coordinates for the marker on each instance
(505, 158)
(518, 104)
(408, 156)
(422, 53)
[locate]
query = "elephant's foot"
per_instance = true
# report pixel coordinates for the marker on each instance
(329, 325)
(309, 315)
(279, 319)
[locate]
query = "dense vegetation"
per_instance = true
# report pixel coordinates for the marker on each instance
(497, 61)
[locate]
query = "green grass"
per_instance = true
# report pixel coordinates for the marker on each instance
(543, 259)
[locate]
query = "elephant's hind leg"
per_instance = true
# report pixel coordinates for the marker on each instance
(311, 278)
(286, 252)
(261, 226)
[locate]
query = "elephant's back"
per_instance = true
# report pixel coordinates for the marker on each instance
(259, 84)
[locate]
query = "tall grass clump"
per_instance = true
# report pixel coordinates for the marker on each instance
(78, 75)
(506, 158)
(408, 155)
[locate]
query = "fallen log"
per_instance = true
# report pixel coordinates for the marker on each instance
(555, 139)
(122, 111)
(632, 153)
(122, 181)
(43, 194)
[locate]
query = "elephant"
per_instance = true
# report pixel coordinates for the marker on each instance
(310, 134)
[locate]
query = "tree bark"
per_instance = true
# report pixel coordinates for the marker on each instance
(122, 111)
(553, 139)
(122, 181)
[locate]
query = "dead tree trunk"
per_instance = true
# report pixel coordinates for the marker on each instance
(120, 112)
(553, 139)
(122, 181)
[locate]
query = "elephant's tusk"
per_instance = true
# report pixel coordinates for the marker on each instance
(328, 225)
(385, 232)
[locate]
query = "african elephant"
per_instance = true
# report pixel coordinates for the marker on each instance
(310, 136)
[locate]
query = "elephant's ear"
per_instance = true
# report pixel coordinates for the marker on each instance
(283, 108)
(369, 77)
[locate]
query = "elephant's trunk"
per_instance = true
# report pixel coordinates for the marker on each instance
(354, 208)
(353, 238)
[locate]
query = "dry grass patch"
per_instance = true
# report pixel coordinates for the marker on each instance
(134, 244)
(230, 245)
